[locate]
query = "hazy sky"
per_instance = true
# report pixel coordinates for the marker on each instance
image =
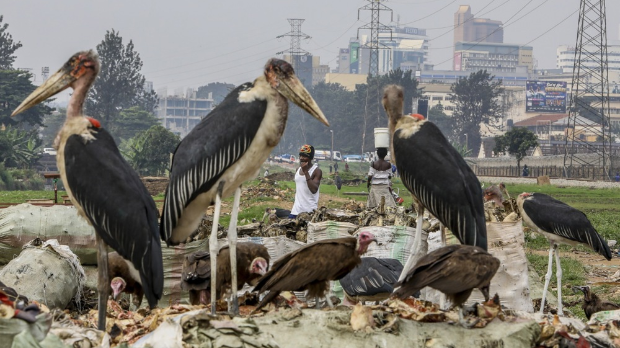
(191, 43)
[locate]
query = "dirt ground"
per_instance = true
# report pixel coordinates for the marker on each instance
(599, 270)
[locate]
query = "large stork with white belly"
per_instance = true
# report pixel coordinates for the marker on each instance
(225, 149)
(102, 186)
(436, 175)
(560, 224)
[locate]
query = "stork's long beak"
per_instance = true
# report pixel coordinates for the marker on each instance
(57, 83)
(294, 90)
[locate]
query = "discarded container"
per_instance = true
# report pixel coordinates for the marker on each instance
(382, 138)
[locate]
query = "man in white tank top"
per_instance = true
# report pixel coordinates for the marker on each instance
(307, 181)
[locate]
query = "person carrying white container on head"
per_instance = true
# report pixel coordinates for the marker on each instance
(379, 176)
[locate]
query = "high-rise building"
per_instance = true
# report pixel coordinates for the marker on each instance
(493, 57)
(566, 59)
(181, 112)
(467, 28)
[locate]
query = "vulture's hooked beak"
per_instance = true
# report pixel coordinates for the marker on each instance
(57, 83)
(579, 288)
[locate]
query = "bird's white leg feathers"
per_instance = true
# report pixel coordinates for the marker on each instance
(442, 296)
(213, 249)
(558, 274)
(232, 241)
(103, 285)
(547, 277)
(416, 247)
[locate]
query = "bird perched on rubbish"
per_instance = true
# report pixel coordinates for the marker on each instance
(493, 193)
(313, 266)
(436, 175)
(560, 224)
(125, 278)
(102, 186)
(252, 263)
(372, 280)
(592, 303)
(455, 270)
(227, 148)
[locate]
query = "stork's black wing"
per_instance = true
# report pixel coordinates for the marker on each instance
(372, 277)
(117, 204)
(438, 176)
(559, 218)
(218, 141)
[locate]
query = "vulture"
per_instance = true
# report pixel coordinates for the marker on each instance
(252, 263)
(455, 270)
(560, 224)
(125, 278)
(313, 266)
(592, 303)
(493, 193)
(437, 176)
(372, 280)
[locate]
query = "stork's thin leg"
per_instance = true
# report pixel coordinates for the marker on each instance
(558, 274)
(232, 242)
(213, 249)
(442, 296)
(416, 244)
(316, 302)
(103, 284)
(329, 300)
(547, 277)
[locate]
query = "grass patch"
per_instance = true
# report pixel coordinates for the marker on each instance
(23, 196)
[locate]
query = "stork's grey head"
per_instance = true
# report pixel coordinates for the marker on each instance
(82, 67)
(281, 76)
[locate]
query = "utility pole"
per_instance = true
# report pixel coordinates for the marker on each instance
(297, 57)
(375, 7)
(588, 143)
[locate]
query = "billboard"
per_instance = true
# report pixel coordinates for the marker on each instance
(458, 56)
(545, 96)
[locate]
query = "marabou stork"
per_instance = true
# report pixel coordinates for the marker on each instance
(101, 184)
(560, 224)
(436, 175)
(372, 280)
(455, 270)
(227, 148)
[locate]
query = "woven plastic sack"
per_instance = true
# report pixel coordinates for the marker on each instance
(511, 282)
(20, 224)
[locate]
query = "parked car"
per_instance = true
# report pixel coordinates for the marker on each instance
(287, 158)
(353, 158)
(49, 151)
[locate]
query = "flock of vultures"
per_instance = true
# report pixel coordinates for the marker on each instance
(226, 149)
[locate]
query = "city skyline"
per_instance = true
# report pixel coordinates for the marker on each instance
(186, 44)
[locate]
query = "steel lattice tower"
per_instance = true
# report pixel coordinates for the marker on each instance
(296, 37)
(375, 6)
(589, 102)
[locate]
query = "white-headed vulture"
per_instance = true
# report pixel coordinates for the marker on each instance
(592, 303)
(313, 266)
(227, 148)
(372, 280)
(560, 224)
(436, 175)
(102, 186)
(455, 270)
(252, 263)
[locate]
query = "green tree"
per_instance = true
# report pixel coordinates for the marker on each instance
(7, 47)
(15, 86)
(476, 102)
(51, 126)
(515, 142)
(437, 115)
(120, 85)
(132, 121)
(149, 151)
(18, 148)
